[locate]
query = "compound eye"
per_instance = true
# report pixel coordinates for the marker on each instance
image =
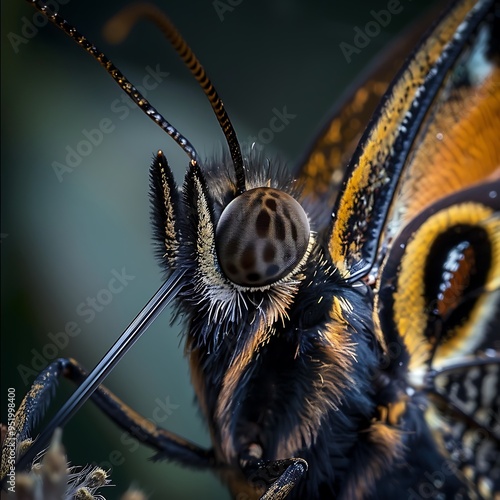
(261, 236)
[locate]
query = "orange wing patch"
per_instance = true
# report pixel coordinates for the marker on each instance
(453, 155)
(372, 174)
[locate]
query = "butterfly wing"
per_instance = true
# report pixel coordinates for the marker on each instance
(439, 300)
(321, 169)
(419, 209)
(439, 282)
(384, 155)
(466, 406)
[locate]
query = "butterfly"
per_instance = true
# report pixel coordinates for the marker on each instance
(390, 273)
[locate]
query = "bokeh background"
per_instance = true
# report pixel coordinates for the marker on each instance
(62, 240)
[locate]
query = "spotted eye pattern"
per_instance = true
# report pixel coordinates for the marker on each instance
(261, 236)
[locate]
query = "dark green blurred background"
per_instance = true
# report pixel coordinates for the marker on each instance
(61, 240)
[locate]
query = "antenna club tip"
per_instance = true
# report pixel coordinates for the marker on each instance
(117, 29)
(121, 24)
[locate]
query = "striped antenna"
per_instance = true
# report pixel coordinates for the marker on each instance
(118, 77)
(118, 28)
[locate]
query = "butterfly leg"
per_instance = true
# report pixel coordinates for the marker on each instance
(277, 478)
(32, 408)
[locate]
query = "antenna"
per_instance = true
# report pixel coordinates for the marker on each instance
(115, 31)
(165, 294)
(118, 28)
(118, 77)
